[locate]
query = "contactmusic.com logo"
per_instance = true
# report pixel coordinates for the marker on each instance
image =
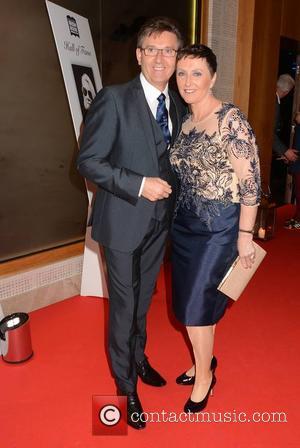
(109, 415)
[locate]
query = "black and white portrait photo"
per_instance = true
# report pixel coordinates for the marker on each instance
(85, 84)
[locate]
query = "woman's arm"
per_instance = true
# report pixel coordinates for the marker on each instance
(243, 155)
(244, 243)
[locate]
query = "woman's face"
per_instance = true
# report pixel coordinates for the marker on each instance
(194, 79)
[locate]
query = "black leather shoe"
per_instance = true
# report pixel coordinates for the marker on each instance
(185, 380)
(148, 375)
(193, 406)
(134, 411)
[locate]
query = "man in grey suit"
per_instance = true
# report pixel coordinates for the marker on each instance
(124, 150)
(285, 84)
(282, 154)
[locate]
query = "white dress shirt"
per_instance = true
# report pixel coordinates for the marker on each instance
(151, 94)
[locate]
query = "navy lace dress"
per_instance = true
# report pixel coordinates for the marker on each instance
(216, 162)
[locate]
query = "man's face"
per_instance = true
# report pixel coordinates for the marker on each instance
(158, 69)
(282, 93)
(88, 91)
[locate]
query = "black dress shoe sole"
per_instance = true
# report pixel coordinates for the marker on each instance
(149, 383)
(149, 375)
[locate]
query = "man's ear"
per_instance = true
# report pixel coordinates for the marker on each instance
(138, 55)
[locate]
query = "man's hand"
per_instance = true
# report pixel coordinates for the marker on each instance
(155, 189)
(291, 155)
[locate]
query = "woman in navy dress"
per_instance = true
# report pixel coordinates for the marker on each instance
(216, 161)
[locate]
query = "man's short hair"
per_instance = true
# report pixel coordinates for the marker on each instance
(285, 82)
(158, 25)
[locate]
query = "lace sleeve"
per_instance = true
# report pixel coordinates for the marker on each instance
(239, 140)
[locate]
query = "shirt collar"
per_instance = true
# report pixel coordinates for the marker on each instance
(151, 92)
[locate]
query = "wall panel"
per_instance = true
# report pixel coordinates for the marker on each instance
(42, 197)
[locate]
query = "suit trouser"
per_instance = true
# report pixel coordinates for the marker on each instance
(131, 282)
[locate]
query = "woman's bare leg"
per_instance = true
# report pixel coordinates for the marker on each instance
(191, 371)
(202, 339)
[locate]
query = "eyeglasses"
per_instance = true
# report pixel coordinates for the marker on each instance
(153, 51)
(87, 93)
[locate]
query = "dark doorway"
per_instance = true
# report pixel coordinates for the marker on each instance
(289, 49)
(120, 22)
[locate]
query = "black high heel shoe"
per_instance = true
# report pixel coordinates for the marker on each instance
(193, 406)
(185, 380)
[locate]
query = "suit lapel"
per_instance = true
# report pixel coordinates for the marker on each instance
(174, 118)
(144, 118)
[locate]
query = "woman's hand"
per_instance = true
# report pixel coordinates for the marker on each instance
(246, 249)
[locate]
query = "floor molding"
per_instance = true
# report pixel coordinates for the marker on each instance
(42, 286)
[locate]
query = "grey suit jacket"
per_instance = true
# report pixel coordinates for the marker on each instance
(278, 147)
(118, 148)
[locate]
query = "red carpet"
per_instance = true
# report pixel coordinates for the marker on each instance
(47, 401)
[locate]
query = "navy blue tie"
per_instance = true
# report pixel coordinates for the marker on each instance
(162, 117)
